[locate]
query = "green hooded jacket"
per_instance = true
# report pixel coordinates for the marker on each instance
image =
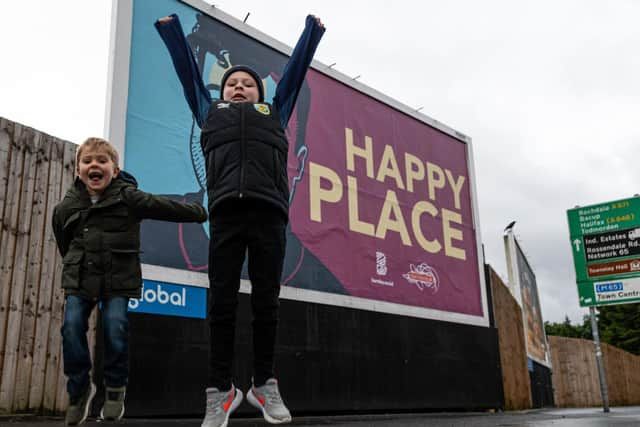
(100, 243)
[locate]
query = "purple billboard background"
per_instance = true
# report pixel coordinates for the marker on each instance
(385, 268)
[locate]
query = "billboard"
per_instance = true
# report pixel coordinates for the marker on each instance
(522, 282)
(605, 242)
(383, 214)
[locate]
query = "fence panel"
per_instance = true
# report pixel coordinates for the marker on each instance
(35, 171)
(575, 373)
(513, 355)
(50, 262)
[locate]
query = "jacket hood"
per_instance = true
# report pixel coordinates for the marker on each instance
(127, 177)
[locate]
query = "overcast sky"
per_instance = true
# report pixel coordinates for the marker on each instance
(549, 92)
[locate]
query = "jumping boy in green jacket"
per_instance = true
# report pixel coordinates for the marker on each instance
(97, 229)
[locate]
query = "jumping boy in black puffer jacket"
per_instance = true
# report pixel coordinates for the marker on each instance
(245, 149)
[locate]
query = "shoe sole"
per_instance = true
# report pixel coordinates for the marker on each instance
(92, 393)
(253, 400)
(236, 402)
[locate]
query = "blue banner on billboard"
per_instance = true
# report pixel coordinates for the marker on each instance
(170, 300)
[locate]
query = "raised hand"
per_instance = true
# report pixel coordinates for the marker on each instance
(165, 20)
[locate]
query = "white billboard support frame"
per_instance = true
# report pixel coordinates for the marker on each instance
(511, 247)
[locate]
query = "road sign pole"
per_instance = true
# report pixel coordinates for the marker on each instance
(604, 391)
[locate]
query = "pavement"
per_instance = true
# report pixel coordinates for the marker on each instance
(574, 417)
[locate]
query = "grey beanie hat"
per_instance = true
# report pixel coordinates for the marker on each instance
(248, 70)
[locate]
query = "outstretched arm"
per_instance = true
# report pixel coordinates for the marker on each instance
(195, 92)
(151, 206)
(296, 68)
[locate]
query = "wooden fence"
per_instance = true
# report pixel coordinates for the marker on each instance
(575, 374)
(35, 171)
(573, 360)
(513, 355)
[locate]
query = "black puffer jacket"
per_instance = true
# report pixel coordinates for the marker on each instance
(246, 150)
(100, 243)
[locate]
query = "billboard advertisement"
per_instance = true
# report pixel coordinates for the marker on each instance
(383, 213)
(523, 280)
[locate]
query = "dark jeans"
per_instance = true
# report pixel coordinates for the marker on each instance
(258, 229)
(75, 349)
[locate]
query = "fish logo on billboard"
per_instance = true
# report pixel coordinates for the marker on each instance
(423, 276)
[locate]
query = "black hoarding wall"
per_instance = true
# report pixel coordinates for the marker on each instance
(541, 385)
(329, 360)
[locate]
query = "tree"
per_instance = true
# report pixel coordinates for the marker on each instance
(566, 329)
(619, 326)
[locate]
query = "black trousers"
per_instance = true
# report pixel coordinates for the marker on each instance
(258, 229)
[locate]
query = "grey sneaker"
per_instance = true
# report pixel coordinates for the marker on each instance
(113, 408)
(267, 398)
(79, 409)
(220, 405)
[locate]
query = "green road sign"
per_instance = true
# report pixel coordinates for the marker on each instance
(605, 241)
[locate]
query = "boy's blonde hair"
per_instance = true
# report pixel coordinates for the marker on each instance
(97, 144)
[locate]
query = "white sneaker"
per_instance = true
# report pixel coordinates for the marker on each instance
(267, 398)
(220, 405)
(113, 408)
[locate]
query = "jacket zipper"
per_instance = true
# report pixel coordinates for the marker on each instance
(243, 148)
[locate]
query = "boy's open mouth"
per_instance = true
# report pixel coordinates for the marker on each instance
(95, 176)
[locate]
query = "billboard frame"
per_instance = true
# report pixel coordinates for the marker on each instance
(115, 126)
(511, 248)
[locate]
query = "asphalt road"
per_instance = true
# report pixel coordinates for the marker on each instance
(583, 417)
